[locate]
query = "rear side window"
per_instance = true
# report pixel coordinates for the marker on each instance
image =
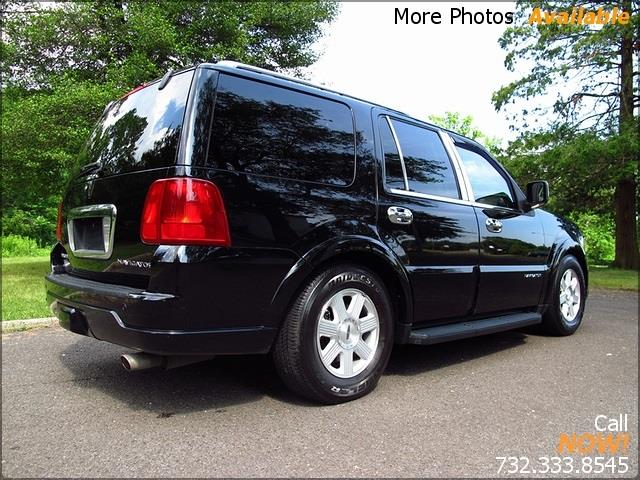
(268, 130)
(141, 130)
(488, 185)
(426, 162)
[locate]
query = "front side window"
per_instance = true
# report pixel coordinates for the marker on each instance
(426, 162)
(488, 185)
(268, 130)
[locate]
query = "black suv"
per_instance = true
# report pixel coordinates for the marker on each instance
(227, 209)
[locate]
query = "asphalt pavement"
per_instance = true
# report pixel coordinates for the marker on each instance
(70, 410)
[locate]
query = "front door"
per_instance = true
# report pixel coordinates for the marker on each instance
(513, 255)
(423, 218)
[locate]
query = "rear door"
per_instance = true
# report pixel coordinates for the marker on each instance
(134, 143)
(423, 217)
(513, 255)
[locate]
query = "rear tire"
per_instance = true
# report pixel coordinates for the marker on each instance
(567, 299)
(337, 337)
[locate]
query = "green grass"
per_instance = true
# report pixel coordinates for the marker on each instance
(613, 278)
(23, 285)
(23, 294)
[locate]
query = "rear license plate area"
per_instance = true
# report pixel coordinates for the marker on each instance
(91, 230)
(88, 234)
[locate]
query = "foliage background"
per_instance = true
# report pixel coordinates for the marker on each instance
(576, 110)
(62, 63)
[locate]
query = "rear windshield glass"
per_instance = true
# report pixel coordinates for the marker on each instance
(140, 131)
(268, 130)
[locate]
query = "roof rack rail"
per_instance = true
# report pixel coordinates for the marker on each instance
(251, 68)
(282, 76)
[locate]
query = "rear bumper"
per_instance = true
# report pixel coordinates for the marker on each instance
(108, 312)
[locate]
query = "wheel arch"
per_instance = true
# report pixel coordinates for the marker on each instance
(361, 251)
(567, 248)
(578, 253)
(570, 247)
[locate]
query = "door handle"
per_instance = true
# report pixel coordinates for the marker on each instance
(493, 225)
(400, 215)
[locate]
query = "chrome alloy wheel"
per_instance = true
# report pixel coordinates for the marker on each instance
(570, 295)
(347, 333)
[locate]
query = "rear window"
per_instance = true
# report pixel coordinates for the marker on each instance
(267, 130)
(142, 130)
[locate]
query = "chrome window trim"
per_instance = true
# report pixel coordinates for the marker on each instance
(486, 206)
(462, 193)
(397, 142)
(456, 160)
(107, 212)
(426, 196)
(464, 184)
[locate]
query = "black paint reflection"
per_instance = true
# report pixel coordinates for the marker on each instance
(278, 212)
(267, 130)
(513, 247)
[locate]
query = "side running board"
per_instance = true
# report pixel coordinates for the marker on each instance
(474, 328)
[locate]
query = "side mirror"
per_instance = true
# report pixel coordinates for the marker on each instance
(537, 193)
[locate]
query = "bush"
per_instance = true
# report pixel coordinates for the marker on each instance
(18, 246)
(37, 223)
(599, 236)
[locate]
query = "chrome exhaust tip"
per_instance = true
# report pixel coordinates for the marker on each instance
(141, 361)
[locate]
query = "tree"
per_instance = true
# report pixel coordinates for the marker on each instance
(464, 126)
(42, 131)
(62, 62)
(588, 73)
(129, 42)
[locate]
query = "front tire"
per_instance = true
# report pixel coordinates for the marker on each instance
(337, 337)
(568, 294)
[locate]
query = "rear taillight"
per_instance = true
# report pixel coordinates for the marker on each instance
(183, 211)
(59, 225)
